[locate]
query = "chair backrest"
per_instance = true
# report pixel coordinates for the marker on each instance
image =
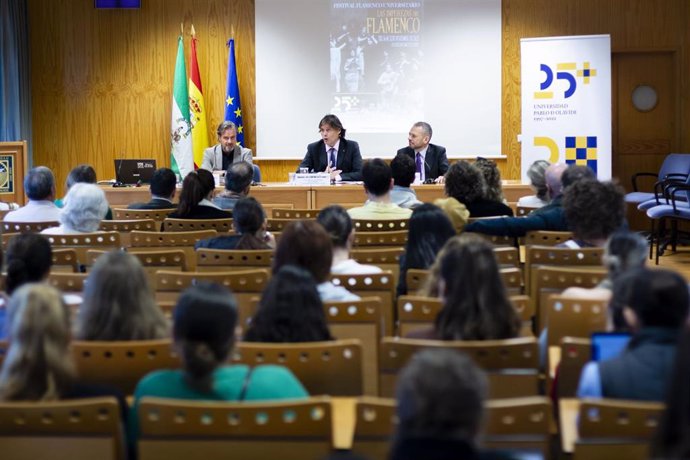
(27, 227)
(80, 429)
(363, 225)
(67, 282)
(397, 238)
(387, 258)
(278, 225)
(610, 428)
(375, 421)
(418, 312)
(546, 237)
(245, 285)
(122, 226)
(512, 365)
(574, 354)
(507, 256)
(158, 215)
(674, 163)
(122, 364)
(499, 240)
(537, 256)
(169, 239)
(380, 285)
(179, 430)
(193, 225)
(573, 317)
(233, 259)
(324, 368)
(547, 280)
(286, 213)
(166, 259)
(361, 320)
(521, 211)
(415, 278)
(65, 260)
(83, 242)
(511, 276)
(519, 423)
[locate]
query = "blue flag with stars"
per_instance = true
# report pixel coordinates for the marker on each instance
(233, 112)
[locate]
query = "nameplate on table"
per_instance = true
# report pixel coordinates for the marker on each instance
(312, 179)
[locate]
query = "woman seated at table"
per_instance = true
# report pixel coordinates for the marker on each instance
(290, 310)
(85, 208)
(195, 198)
(204, 335)
(475, 302)
(250, 224)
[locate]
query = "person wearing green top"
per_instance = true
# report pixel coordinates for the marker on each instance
(203, 332)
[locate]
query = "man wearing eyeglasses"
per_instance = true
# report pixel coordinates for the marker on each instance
(430, 160)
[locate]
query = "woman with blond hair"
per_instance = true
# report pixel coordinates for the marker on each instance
(119, 303)
(38, 365)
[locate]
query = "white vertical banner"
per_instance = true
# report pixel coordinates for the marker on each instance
(566, 101)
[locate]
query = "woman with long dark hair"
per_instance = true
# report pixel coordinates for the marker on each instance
(195, 198)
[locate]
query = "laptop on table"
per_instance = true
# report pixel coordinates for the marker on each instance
(134, 172)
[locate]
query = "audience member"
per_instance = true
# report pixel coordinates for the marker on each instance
(440, 408)
(119, 303)
(204, 334)
(82, 174)
(38, 365)
(338, 224)
(238, 181)
(423, 244)
(28, 260)
(672, 439)
(402, 168)
(456, 212)
(39, 186)
(290, 310)
(475, 303)
(378, 182)
(227, 151)
(195, 197)
(593, 210)
(333, 153)
(163, 182)
(549, 217)
(465, 183)
(85, 208)
(492, 177)
(430, 160)
(656, 310)
(306, 244)
(537, 177)
(250, 224)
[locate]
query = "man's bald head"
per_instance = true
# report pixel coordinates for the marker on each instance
(553, 179)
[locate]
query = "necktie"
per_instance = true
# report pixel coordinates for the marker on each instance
(331, 153)
(419, 164)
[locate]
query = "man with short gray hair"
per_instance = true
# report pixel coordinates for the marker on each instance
(238, 181)
(430, 160)
(39, 186)
(227, 151)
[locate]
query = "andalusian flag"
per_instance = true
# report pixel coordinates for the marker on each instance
(181, 159)
(197, 109)
(233, 112)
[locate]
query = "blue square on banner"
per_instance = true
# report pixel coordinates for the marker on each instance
(592, 165)
(581, 154)
(591, 142)
(570, 142)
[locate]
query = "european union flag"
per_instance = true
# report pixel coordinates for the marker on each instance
(233, 111)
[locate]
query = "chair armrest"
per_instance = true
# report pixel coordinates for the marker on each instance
(642, 174)
(677, 188)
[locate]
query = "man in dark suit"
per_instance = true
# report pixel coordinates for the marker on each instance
(163, 184)
(333, 153)
(430, 160)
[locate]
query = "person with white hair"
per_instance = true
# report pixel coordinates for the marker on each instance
(85, 207)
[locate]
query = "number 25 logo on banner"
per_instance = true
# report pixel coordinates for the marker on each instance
(567, 71)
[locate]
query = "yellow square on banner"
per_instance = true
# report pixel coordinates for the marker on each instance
(581, 142)
(581, 162)
(592, 154)
(570, 154)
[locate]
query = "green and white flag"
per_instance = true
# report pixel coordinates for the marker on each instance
(181, 156)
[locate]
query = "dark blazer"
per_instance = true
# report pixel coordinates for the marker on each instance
(550, 217)
(349, 159)
(155, 203)
(435, 161)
